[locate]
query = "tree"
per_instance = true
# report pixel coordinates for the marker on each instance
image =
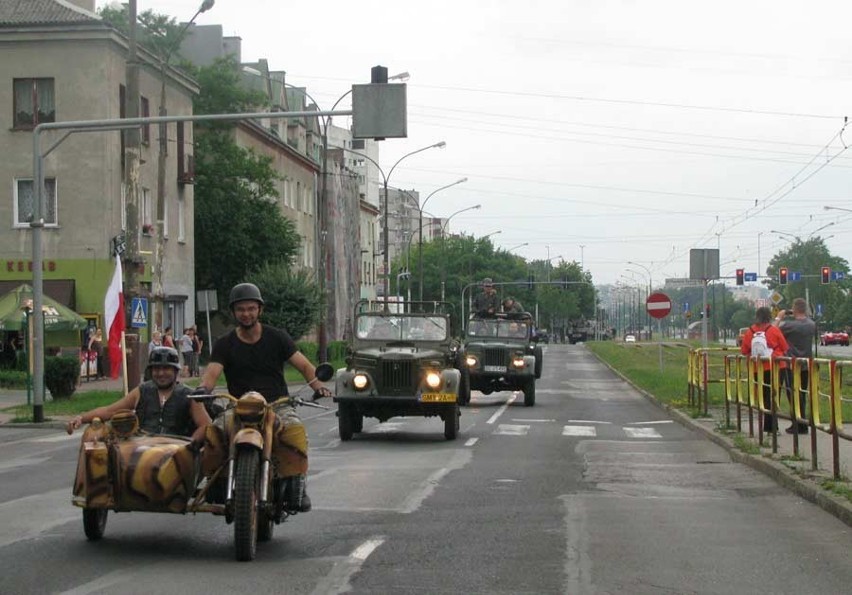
(292, 299)
(238, 226)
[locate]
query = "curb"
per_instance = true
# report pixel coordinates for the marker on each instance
(779, 472)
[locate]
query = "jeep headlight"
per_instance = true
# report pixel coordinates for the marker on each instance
(471, 361)
(360, 381)
(433, 380)
(518, 361)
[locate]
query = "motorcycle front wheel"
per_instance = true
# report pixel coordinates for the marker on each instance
(246, 480)
(94, 522)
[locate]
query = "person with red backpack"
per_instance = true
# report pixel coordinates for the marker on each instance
(765, 341)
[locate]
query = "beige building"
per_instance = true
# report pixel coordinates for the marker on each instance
(60, 62)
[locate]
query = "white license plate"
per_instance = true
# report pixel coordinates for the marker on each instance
(495, 368)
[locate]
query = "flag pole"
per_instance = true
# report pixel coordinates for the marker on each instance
(124, 361)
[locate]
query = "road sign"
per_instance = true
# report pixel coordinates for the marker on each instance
(750, 277)
(837, 275)
(686, 306)
(794, 276)
(658, 305)
(776, 298)
(139, 313)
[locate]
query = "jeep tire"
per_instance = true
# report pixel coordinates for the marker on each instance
(529, 393)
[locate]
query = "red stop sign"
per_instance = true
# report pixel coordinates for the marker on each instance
(658, 305)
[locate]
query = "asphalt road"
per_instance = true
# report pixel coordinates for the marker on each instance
(593, 490)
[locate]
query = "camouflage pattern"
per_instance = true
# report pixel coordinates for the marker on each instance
(157, 473)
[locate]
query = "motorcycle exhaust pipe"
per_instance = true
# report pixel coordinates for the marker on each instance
(264, 481)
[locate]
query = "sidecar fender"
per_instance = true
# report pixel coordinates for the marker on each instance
(249, 437)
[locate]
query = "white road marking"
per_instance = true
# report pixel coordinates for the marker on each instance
(534, 420)
(642, 432)
(57, 438)
(418, 496)
(337, 581)
(512, 430)
(579, 431)
(588, 421)
(21, 462)
(502, 409)
(471, 441)
(28, 517)
(650, 423)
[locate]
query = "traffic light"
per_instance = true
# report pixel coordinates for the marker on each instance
(826, 275)
(782, 276)
(740, 276)
(530, 281)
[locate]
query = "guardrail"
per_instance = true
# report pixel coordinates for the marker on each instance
(744, 386)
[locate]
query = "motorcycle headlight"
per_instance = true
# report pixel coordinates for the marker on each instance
(360, 381)
(251, 407)
(433, 380)
(471, 361)
(518, 361)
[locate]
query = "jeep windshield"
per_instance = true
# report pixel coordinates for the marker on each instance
(392, 327)
(499, 328)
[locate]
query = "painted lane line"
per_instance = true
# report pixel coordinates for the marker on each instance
(579, 431)
(419, 494)
(642, 432)
(512, 430)
(337, 581)
(535, 420)
(588, 421)
(56, 438)
(650, 423)
(30, 516)
(471, 441)
(502, 409)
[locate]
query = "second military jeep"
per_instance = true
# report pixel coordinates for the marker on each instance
(500, 353)
(400, 363)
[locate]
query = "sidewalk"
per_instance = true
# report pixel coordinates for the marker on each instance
(793, 473)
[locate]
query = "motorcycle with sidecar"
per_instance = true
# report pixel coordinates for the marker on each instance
(237, 473)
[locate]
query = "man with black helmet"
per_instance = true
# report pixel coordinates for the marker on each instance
(161, 404)
(252, 356)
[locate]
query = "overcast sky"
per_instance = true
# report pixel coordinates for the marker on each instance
(598, 130)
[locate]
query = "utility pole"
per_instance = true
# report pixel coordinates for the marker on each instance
(131, 159)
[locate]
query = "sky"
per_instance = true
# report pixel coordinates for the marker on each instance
(598, 131)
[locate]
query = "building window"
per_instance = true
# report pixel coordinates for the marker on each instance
(145, 112)
(34, 102)
(145, 211)
(24, 201)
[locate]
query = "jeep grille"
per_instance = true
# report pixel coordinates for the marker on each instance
(496, 356)
(397, 375)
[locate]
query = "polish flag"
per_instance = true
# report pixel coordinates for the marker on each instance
(114, 318)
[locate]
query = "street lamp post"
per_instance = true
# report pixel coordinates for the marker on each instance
(443, 248)
(518, 246)
(582, 247)
(385, 178)
(493, 233)
(420, 234)
(159, 288)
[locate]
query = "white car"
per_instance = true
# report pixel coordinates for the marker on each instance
(630, 339)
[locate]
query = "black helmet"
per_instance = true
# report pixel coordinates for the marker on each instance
(164, 356)
(243, 292)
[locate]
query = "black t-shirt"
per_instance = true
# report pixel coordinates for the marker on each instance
(257, 366)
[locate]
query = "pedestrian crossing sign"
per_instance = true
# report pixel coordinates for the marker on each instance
(139, 313)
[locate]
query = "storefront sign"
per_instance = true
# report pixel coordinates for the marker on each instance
(20, 266)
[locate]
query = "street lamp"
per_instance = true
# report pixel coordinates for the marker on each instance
(420, 235)
(493, 233)
(159, 289)
(582, 246)
(443, 248)
(385, 178)
(827, 208)
(518, 246)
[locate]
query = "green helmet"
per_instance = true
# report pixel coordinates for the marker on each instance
(164, 356)
(243, 292)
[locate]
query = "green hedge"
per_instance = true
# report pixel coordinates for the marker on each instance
(61, 375)
(336, 350)
(13, 379)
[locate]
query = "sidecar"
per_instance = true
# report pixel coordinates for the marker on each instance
(123, 470)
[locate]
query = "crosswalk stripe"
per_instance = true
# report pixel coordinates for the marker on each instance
(512, 430)
(642, 433)
(579, 431)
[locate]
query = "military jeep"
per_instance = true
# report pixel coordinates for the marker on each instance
(501, 353)
(400, 363)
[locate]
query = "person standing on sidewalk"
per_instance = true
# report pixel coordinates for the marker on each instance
(799, 331)
(765, 341)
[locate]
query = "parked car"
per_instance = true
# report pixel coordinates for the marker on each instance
(834, 338)
(630, 339)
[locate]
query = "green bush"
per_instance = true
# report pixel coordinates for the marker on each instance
(13, 379)
(61, 375)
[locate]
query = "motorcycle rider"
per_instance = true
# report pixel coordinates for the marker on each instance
(161, 404)
(252, 356)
